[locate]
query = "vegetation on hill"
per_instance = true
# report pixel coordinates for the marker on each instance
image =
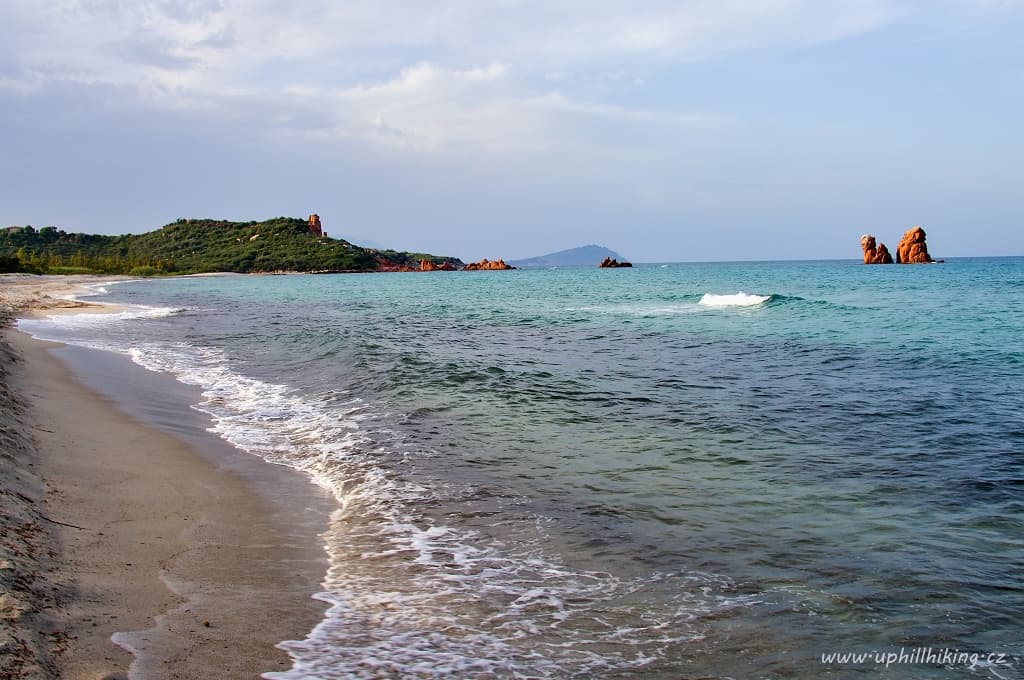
(196, 246)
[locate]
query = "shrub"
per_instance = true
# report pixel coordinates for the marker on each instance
(69, 270)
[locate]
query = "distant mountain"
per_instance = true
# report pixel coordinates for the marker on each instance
(584, 255)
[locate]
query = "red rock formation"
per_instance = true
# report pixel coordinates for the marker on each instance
(488, 265)
(873, 254)
(386, 265)
(428, 266)
(611, 263)
(315, 227)
(912, 248)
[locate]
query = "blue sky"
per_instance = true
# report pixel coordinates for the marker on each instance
(687, 130)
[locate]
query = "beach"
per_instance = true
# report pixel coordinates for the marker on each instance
(118, 529)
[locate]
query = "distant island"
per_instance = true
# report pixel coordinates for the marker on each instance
(195, 246)
(588, 256)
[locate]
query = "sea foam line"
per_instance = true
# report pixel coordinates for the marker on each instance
(63, 322)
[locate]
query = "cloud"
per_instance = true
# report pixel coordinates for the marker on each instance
(467, 78)
(488, 110)
(146, 53)
(229, 43)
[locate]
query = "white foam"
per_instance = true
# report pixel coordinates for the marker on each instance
(101, 288)
(90, 290)
(642, 310)
(115, 315)
(740, 299)
(58, 327)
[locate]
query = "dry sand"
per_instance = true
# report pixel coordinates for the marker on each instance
(104, 516)
(28, 293)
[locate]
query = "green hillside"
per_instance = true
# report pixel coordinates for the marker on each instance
(197, 246)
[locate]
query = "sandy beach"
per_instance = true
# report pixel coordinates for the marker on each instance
(115, 529)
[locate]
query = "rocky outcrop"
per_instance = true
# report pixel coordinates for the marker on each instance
(386, 265)
(874, 254)
(315, 227)
(611, 263)
(912, 248)
(486, 264)
(428, 266)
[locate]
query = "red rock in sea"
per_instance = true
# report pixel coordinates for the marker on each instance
(912, 248)
(874, 254)
(486, 264)
(611, 263)
(428, 266)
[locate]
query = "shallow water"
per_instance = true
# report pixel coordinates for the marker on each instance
(700, 470)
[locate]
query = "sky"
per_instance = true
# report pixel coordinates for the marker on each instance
(687, 130)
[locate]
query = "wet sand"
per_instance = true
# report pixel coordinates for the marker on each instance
(196, 561)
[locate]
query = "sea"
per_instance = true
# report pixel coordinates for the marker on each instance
(698, 470)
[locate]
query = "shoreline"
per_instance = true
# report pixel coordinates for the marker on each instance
(181, 548)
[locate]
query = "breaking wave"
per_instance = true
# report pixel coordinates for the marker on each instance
(740, 299)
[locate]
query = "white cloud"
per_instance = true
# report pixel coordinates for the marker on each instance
(233, 44)
(485, 110)
(497, 77)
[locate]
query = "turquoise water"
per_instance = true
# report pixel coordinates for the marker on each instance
(595, 473)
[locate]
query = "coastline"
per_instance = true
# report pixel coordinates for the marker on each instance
(181, 554)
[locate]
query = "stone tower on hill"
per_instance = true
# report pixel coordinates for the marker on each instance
(315, 227)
